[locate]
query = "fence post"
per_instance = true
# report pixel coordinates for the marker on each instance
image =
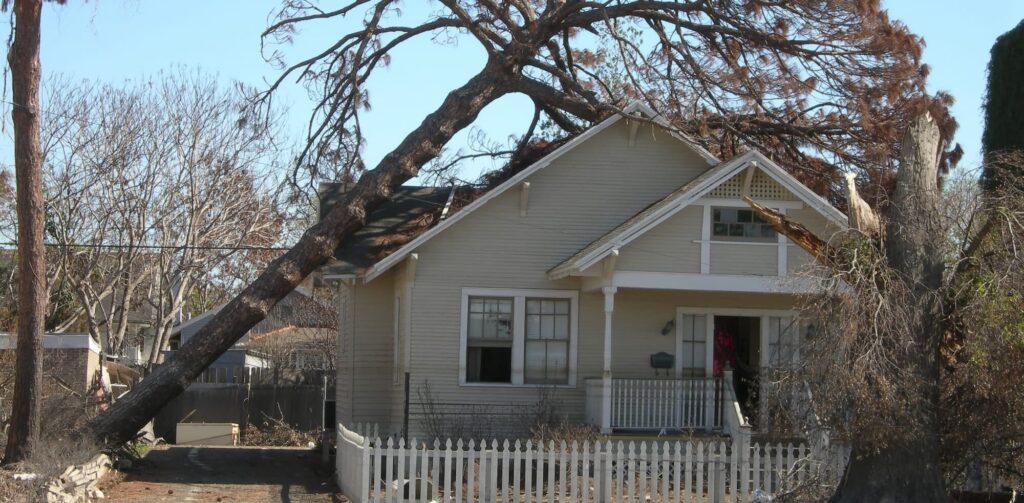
(743, 441)
(720, 479)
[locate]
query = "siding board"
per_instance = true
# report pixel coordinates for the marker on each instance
(669, 247)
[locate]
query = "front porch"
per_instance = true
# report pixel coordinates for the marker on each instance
(705, 361)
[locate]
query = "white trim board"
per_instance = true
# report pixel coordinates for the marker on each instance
(54, 341)
(636, 107)
(706, 282)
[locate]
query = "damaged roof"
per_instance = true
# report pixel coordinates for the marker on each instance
(411, 211)
(419, 212)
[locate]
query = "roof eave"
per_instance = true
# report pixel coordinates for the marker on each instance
(390, 261)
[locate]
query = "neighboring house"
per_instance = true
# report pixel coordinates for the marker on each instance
(613, 279)
(296, 322)
(70, 362)
(69, 359)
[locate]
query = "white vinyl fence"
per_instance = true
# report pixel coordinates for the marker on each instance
(673, 471)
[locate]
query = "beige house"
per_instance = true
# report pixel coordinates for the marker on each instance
(614, 280)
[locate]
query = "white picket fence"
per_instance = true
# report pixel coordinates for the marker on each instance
(375, 470)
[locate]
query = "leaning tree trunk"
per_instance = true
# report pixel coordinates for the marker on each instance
(907, 470)
(28, 378)
(459, 109)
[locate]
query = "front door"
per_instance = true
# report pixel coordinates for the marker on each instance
(737, 345)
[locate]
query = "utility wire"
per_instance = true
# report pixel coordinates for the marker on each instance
(159, 247)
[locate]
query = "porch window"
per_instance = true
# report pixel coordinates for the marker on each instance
(547, 341)
(489, 340)
(739, 224)
(518, 337)
(694, 344)
(782, 341)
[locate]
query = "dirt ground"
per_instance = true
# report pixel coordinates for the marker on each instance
(225, 474)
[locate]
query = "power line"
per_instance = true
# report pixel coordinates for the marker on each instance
(159, 247)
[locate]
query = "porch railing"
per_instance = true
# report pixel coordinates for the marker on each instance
(659, 404)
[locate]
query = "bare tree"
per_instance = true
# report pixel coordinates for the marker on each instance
(152, 189)
(541, 50)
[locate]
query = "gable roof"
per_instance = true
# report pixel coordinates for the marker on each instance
(650, 217)
(635, 109)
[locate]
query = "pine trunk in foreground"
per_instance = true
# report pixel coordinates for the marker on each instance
(23, 58)
(908, 470)
(460, 108)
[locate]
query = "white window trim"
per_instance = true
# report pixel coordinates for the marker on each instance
(706, 239)
(519, 332)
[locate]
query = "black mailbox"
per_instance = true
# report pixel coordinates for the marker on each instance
(662, 360)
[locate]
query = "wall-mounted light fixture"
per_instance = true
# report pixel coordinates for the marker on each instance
(669, 327)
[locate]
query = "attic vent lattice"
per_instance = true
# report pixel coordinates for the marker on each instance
(761, 187)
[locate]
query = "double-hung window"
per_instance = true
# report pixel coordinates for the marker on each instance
(518, 336)
(547, 341)
(489, 339)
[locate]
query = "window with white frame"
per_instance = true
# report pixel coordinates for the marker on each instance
(692, 358)
(547, 341)
(782, 341)
(740, 224)
(518, 336)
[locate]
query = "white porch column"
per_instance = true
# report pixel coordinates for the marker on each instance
(606, 389)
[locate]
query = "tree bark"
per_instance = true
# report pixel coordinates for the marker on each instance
(907, 470)
(459, 109)
(23, 59)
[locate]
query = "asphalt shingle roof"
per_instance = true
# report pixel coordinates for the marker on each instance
(385, 225)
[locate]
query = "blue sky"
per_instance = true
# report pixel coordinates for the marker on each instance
(129, 40)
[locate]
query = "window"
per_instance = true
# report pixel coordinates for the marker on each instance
(307, 359)
(739, 224)
(518, 336)
(782, 341)
(694, 344)
(489, 340)
(547, 341)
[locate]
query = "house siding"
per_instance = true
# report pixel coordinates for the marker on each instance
(574, 201)
(743, 258)
(672, 246)
(345, 355)
(371, 358)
